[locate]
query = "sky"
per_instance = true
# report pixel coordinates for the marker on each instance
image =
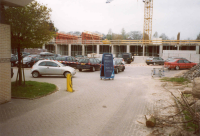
(169, 16)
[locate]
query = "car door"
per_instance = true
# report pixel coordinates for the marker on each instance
(187, 64)
(42, 68)
(53, 68)
(160, 61)
(181, 64)
(73, 62)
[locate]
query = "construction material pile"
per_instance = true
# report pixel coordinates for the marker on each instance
(193, 73)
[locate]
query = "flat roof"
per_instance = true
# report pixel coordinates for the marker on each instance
(15, 3)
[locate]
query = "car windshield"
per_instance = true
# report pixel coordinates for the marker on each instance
(126, 55)
(83, 60)
(26, 59)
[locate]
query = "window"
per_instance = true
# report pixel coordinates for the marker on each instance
(186, 61)
(42, 64)
(51, 64)
(92, 61)
(180, 61)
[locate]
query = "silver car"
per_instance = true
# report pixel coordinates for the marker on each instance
(50, 67)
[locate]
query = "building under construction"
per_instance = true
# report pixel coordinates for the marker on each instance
(87, 43)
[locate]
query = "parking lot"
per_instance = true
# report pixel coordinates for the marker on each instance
(96, 107)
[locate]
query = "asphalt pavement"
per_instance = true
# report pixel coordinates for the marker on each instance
(96, 107)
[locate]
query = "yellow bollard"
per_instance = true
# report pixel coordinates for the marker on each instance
(69, 83)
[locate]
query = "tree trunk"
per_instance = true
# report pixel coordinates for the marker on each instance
(19, 66)
(151, 122)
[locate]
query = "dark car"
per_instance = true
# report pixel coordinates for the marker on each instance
(12, 73)
(88, 63)
(67, 60)
(13, 60)
(118, 65)
(29, 61)
(128, 58)
(155, 60)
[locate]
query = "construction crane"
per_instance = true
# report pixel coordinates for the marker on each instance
(148, 14)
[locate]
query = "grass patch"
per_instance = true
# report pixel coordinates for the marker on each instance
(179, 80)
(32, 89)
(190, 126)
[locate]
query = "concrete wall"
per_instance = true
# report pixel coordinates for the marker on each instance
(5, 66)
(190, 55)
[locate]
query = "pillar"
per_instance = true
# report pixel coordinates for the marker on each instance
(43, 46)
(55, 49)
(128, 48)
(97, 49)
(143, 50)
(83, 50)
(69, 49)
(197, 49)
(112, 49)
(160, 51)
(178, 47)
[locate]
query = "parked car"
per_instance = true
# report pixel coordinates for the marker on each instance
(50, 67)
(171, 58)
(67, 61)
(29, 61)
(79, 57)
(118, 65)
(120, 59)
(88, 63)
(13, 60)
(155, 60)
(12, 73)
(128, 58)
(179, 64)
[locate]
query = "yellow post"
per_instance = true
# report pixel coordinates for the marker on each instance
(69, 83)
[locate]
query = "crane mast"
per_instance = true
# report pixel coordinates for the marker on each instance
(148, 14)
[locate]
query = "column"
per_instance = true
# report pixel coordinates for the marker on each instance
(69, 49)
(161, 51)
(83, 50)
(128, 48)
(197, 49)
(43, 46)
(178, 47)
(97, 49)
(143, 49)
(112, 49)
(55, 49)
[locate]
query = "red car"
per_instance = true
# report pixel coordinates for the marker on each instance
(179, 64)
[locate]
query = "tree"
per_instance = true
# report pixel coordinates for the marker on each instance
(135, 35)
(30, 28)
(123, 34)
(164, 37)
(198, 37)
(155, 35)
(109, 35)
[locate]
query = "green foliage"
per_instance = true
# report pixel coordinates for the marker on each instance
(32, 89)
(179, 80)
(190, 126)
(30, 25)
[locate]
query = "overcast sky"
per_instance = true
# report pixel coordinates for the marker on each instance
(169, 16)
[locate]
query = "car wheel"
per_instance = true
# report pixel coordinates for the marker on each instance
(93, 69)
(65, 74)
(154, 63)
(177, 68)
(123, 69)
(35, 74)
(117, 71)
(80, 70)
(147, 63)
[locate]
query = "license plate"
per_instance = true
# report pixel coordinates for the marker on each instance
(82, 63)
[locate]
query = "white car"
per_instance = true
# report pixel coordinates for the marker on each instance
(50, 67)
